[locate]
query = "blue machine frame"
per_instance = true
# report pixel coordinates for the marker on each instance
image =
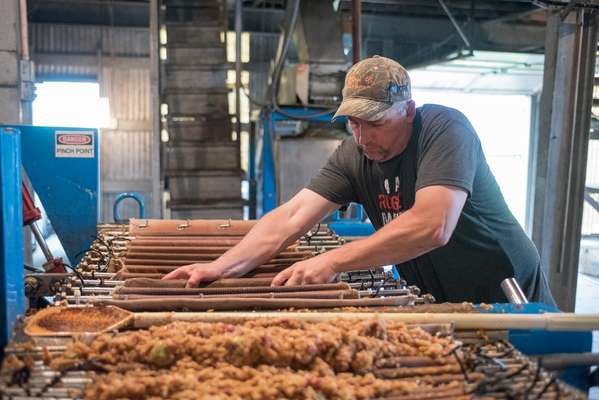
(68, 185)
(269, 176)
(341, 226)
(351, 226)
(12, 300)
(540, 342)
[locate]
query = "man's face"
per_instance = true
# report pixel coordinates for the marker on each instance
(382, 139)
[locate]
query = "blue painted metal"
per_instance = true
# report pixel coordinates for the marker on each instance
(269, 176)
(69, 188)
(12, 299)
(539, 342)
(128, 195)
(252, 175)
(351, 226)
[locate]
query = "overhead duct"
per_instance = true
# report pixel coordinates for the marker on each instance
(318, 78)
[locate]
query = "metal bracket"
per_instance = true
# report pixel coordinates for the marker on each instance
(226, 226)
(27, 80)
(589, 199)
(565, 4)
(564, 13)
(184, 225)
(143, 225)
(455, 24)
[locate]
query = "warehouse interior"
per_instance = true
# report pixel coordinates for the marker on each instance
(138, 137)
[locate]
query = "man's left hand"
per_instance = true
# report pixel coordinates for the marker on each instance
(311, 271)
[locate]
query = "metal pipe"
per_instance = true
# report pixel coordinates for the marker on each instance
(238, 9)
(252, 170)
(24, 30)
(99, 275)
(155, 142)
(39, 238)
(356, 25)
(12, 299)
(292, 12)
(101, 290)
(567, 360)
(513, 292)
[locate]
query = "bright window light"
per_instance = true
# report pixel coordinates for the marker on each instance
(503, 126)
(70, 104)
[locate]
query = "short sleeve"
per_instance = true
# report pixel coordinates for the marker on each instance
(333, 181)
(449, 155)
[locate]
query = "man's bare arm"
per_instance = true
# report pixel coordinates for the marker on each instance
(272, 234)
(427, 225)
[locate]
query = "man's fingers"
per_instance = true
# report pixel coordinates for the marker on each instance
(194, 280)
(281, 277)
(179, 273)
(295, 278)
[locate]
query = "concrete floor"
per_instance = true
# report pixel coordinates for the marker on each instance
(587, 301)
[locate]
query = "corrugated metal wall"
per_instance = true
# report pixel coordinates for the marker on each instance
(89, 39)
(118, 58)
(128, 91)
(263, 48)
(126, 146)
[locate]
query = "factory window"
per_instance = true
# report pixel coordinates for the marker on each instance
(245, 46)
(76, 104)
(503, 125)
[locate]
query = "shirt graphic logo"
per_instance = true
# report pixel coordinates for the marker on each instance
(390, 202)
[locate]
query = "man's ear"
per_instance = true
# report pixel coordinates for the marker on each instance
(410, 110)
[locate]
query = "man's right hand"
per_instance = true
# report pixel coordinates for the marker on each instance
(195, 274)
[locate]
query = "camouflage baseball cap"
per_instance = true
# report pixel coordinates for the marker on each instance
(372, 86)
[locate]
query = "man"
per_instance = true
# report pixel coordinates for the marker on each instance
(423, 179)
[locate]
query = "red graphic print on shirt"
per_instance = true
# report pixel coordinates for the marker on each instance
(390, 202)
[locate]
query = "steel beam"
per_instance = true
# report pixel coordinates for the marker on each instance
(562, 147)
(356, 30)
(541, 144)
(238, 27)
(12, 301)
(589, 199)
(532, 162)
(455, 24)
(494, 35)
(155, 209)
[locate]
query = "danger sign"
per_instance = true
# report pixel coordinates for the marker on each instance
(73, 144)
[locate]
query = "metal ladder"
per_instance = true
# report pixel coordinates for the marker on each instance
(202, 159)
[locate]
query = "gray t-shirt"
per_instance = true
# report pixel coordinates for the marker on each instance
(487, 246)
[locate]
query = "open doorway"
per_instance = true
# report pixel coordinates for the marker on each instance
(70, 104)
